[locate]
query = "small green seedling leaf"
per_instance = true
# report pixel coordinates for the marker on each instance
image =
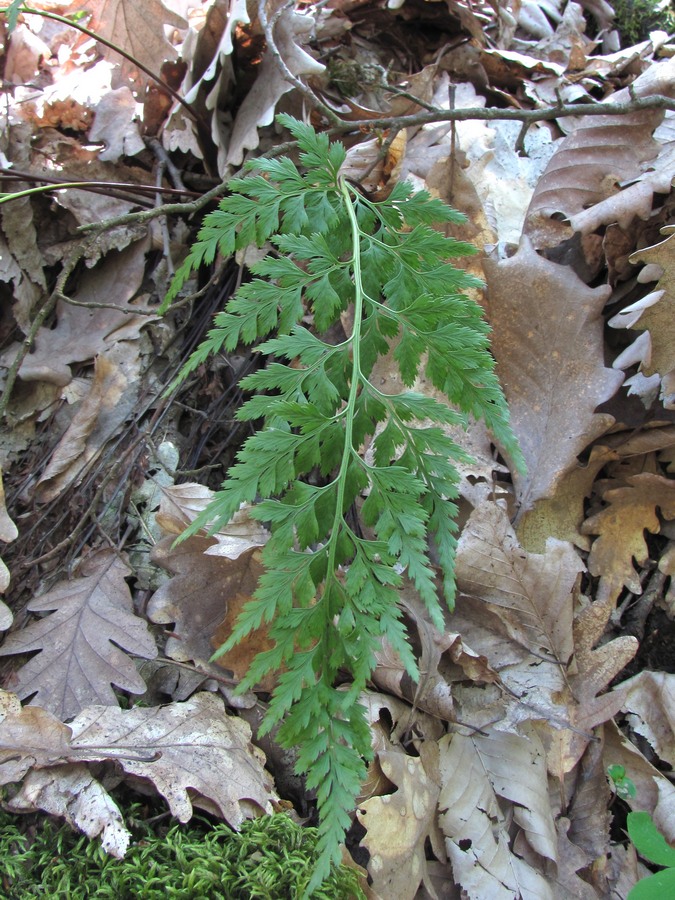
(623, 785)
(648, 840)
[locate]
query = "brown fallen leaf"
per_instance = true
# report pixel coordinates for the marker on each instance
(137, 28)
(650, 704)
(590, 164)
(202, 599)
(530, 592)
(81, 333)
(79, 656)
(655, 793)
(657, 316)
(548, 343)
(193, 752)
(29, 737)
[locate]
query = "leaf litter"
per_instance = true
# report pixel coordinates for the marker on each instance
(490, 774)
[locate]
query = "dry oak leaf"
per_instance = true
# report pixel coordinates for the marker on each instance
(187, 748)
(73, 793)
(79, 645)
(620, 527)
(476, 772)
(398, 826)
(530, 592)
(136, 27)
(29, 737)
(548, 342)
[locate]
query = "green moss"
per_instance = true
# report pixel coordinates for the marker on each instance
(636, 18)
(270, 859)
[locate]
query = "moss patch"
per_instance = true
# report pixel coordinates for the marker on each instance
(270, 859)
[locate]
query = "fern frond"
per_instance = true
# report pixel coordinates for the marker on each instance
(329, 594)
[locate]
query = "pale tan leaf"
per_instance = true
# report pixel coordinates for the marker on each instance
(532, 592)
(658, 318)
(29, 737)
(136, 27)
(475, 826)
(74, 794)
(650, 701)
(631, 509)
(112, 396)
(548, 343)
(116, 125)
(183, 749)
(398, 825)
(79, 645)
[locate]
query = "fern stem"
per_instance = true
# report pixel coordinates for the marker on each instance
(356, 373)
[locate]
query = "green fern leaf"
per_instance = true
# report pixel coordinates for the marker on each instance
(328, 594)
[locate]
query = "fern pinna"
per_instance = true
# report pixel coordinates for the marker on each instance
(333, 443)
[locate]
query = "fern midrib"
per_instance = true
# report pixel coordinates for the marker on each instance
(356, 375)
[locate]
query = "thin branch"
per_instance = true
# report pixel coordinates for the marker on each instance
(657, 101)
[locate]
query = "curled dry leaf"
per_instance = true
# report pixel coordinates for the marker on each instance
(548, 343)
(111, 399)
(79, 655)
(72, 792)
(590, 164)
